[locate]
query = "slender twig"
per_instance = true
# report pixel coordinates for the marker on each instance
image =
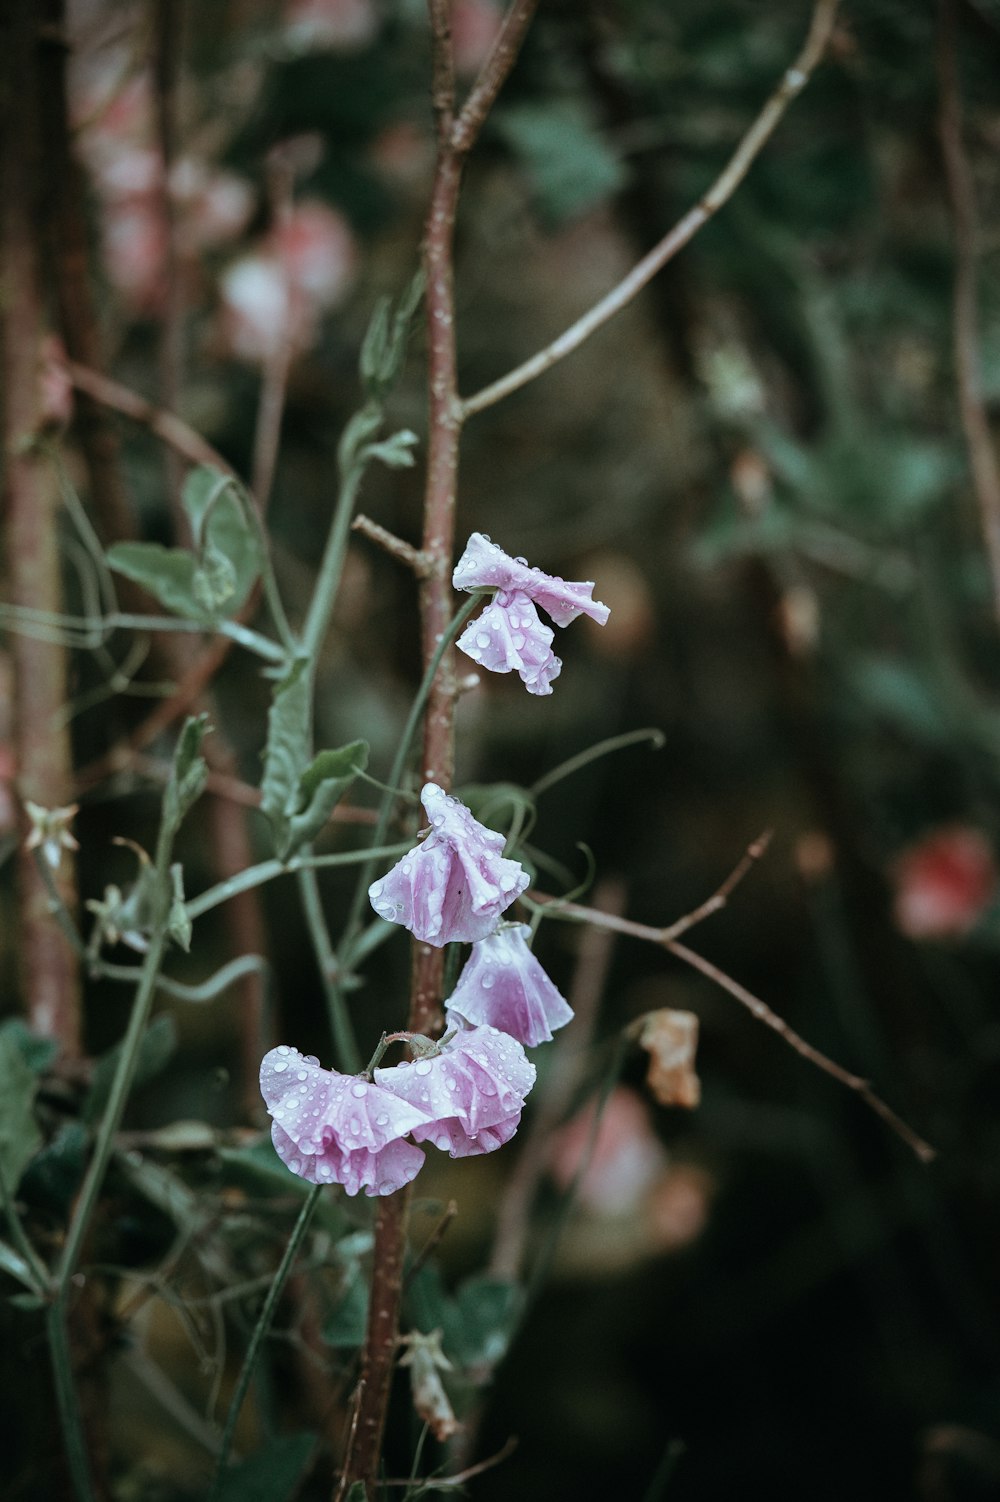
(261, 1328)
(492, 75)
(459, 1479)
(660, 936)
(432, 1243)
(793, 81)
(721, 896)
(405, 552)
(173, 430)
(255, 876)
(965, 322)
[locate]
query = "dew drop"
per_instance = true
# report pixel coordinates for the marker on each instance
(279, 1068)
(358, 1089)
(423, 1066)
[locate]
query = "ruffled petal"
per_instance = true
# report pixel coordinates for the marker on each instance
(336, 1128)
(508, 637)
(473, 1091)
(484, 565)
(503, 985)
(453, 887)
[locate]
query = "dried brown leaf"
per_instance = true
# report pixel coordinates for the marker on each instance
(671, 1038)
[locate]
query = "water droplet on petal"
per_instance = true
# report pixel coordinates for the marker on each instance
(279, 1068)
(423, 1066)
(358, 1089)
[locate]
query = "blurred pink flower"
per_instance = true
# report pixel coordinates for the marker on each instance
(943, 883)
(625, 1160)
(504, 986)
(342, 25)
(334, 1128)
(303, 269)
(454, 886)
(473, 1090)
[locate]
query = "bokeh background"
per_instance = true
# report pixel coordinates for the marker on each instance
(761, 464)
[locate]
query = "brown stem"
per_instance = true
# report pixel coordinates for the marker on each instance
(173, 430)
(436, 609)
(758, 1008)
(41, 742)
(965, 322)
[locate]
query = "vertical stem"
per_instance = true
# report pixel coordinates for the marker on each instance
(48, 965)
(454, 139)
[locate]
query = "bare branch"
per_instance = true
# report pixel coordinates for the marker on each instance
(753, 1004)
(965, 324)
(721, 895)
(395, 546)
(493, 74)
(166, 425)
(793, 81)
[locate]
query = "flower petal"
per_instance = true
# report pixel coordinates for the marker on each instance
(509, 637)
(484, 565)
(504, 985)
(454, 886)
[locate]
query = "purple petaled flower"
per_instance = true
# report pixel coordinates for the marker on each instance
(504, 985)
(455, 885)
(483, 565)
(334, 1128)
(509, 636)
(473, 1090)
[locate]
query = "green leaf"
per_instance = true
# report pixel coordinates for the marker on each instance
(357, 1493)
(178, 922)
(297, 796)
(359, 432)
(155, 1051)
(38, 1052)
(217, 579)
(384, 347)
(569, 165)
(188, 774)
(286, 752)
(20, 1138)
(168, 574)
(396, 452)
(14, 1265)
(321, 787)
(228, 543)
(271, 1474)
(488, 1309)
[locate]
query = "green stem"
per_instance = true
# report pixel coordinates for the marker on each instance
(260, 1330)
(332, 565)
(344, 1042)
(256, 876)
(67, 1402)
(20, 1238)
(592, 753)
(51, 626)
(396, 775)
(117, 1099)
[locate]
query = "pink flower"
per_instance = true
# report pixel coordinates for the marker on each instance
(483, 565)
(505, 986)
(619, 1163)
(473, 1090)
(455, 885)
(944, 883)
(509, 637)
(334, 1128)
